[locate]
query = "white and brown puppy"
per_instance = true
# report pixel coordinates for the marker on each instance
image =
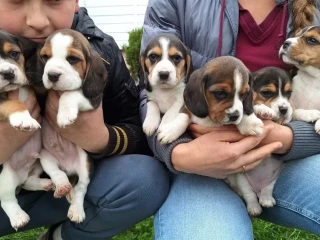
(75, 69)
(272, 89)
(220, 93)
(303, 51)
(22, 169)
(166, 64)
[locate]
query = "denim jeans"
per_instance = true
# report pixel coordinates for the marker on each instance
(202, 208)
(123, 191)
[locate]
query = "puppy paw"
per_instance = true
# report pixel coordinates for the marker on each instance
(264, 112)
(254, 209)
(66, 118)
(19, 220)
(267, 201)
(23, 121)
(317, 126)
(62, 190)
(306, 115)
(150, 126)
(76, 213)
(167, 134)
(250, 125)
(46, 184)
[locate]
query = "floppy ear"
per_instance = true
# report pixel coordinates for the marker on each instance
(143, 75)
(95, 79)
(194, 95)
(248, 100)
(189, 65)
(27, 46)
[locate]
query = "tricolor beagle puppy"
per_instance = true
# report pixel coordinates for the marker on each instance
(272, 89)
(22, 169)
(220, 93)
(75, 69)
(303, 51)
(166, 65)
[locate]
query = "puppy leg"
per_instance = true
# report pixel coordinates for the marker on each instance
(248, 194)
(264, 112)
(306, 115)
(76, 211)
(317, 126)
(152, 120)
(59, 178)
(266, 197)
(34, 182)
(9, 181)
(250, 125)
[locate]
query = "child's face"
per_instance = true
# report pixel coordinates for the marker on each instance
(36, 19)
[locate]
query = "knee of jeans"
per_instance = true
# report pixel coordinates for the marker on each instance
(146, 183)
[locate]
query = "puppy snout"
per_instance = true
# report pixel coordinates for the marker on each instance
(283, 110)
(7, 74)
(234, 116)
(286, 45)
(164, 75)
(53, 76)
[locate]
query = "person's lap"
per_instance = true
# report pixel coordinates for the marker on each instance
(204, 208)
(123, 190)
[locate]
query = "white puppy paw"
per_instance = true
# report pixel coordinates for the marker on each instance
(19, 219)
(250, 125)
(267, 201)
(306, 115)
(150, 126)
(65, 118)
(62, 189)
(264, 112)
(168, 133)
(254, 209)
(23, 121)
(76, 213)
(317, 126)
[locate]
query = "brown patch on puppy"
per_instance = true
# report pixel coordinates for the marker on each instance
(9, 107)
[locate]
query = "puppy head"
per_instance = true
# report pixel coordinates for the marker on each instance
(303, 50)
(70, 64)
(220, 90)
(165, 62)
(12, 61)
(272, 87)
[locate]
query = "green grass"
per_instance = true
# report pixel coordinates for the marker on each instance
(144, 231)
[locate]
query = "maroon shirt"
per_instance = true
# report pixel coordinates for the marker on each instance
(258, 45)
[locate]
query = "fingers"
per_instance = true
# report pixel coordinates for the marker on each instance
(203, 130)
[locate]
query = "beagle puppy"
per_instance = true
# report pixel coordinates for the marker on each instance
(220, 93)
(166, 66)
(272, 88)
(303, 51)
(72, 67)
(22, 169)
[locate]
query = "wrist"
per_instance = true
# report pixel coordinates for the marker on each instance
(283, 134)
(101, 142)
(179, 157)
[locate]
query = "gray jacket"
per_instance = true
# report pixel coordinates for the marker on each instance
(184, 18)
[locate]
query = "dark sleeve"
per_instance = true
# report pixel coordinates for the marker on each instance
(120, 105)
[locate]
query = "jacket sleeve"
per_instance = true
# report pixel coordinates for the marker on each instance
(120, 105)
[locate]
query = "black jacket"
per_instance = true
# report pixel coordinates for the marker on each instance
(121, 97)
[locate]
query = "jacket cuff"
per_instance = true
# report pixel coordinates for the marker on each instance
(306, 142)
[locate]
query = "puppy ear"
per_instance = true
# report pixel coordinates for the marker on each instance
(143, 75)
(28, 47)
(194, 94)
(248, 100)
(95, 78)
(189, 65)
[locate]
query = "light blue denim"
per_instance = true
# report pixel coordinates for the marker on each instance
(202, 208)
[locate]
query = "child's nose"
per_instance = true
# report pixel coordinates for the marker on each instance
(37, 18)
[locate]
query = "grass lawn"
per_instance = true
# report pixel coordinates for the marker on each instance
(143, 231)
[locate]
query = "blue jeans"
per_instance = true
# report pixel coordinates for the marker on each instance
(202, 208)
(123, 191)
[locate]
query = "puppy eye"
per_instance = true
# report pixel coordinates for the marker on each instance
(176, 59)
(45, 58)
(312, 41)
(267, 94)
(153, 57)
(14, 54)
(73, 60)
(288, 93)
(220, 94)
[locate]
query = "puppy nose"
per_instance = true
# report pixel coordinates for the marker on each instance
(234, 116)
(53, 76)
(286, 44)
(283, 110)
(7, 74)
(164, 75)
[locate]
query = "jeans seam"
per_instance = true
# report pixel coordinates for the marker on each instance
(295, 208)
(160, 224)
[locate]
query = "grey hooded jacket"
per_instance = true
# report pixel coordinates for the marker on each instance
(197, 23)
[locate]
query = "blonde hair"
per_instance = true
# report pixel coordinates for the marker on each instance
(302, 14)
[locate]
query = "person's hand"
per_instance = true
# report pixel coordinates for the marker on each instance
(218, 152)
(11, 139)
(88, 131)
